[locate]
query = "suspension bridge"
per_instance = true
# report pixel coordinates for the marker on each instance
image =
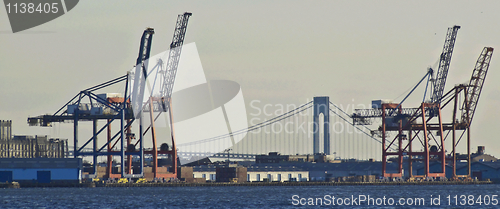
(292, 133)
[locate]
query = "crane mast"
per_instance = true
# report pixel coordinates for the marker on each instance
(444, 64)
(166, 88)
(173, 60)
(141, 70)
(140, 73)
(145, 49)
(476, 84)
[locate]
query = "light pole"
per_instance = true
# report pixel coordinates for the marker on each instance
(227, 150)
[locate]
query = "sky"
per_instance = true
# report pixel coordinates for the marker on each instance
(280, 52)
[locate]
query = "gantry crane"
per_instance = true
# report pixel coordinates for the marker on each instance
(404, 120)
(124, 109)
(110, 109)
(471, 93)
(423, 131)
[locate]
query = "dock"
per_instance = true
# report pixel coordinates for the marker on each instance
(225, 184)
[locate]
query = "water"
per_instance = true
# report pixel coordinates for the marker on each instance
(243, 197)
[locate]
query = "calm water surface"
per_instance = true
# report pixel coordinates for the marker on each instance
(249, 197)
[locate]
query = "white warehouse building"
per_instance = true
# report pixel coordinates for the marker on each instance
(256, 173)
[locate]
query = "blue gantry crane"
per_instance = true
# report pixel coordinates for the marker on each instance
(88, 105)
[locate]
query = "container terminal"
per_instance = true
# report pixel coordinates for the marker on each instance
(414, 145)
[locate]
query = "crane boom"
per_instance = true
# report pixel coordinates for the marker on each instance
(173, 60)
(476, 84)
(444, 64)
(145, 48)
(141, 66)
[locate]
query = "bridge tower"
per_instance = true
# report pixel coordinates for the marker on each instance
(321, 106)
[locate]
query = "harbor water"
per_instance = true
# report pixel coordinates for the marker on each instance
(402, 196)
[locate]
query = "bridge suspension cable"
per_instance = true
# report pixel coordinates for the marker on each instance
(281, 117)
(293, 137)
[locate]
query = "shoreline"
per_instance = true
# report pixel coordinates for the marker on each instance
(223, 184)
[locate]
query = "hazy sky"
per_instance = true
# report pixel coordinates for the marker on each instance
(278, 51)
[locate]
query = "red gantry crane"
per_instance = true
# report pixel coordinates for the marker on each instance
(471, 93)
(404, 120)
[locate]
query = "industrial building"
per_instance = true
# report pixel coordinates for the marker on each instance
(484, 166)
(276, 173)
(482, 170)
(29, 146)
(35, 159)
(256, 173)
(231, 173)
(326, 171)
(435, 167)
(275, 157)
(321, 167)
(40, 170)
(300, 171)
(479, 156)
